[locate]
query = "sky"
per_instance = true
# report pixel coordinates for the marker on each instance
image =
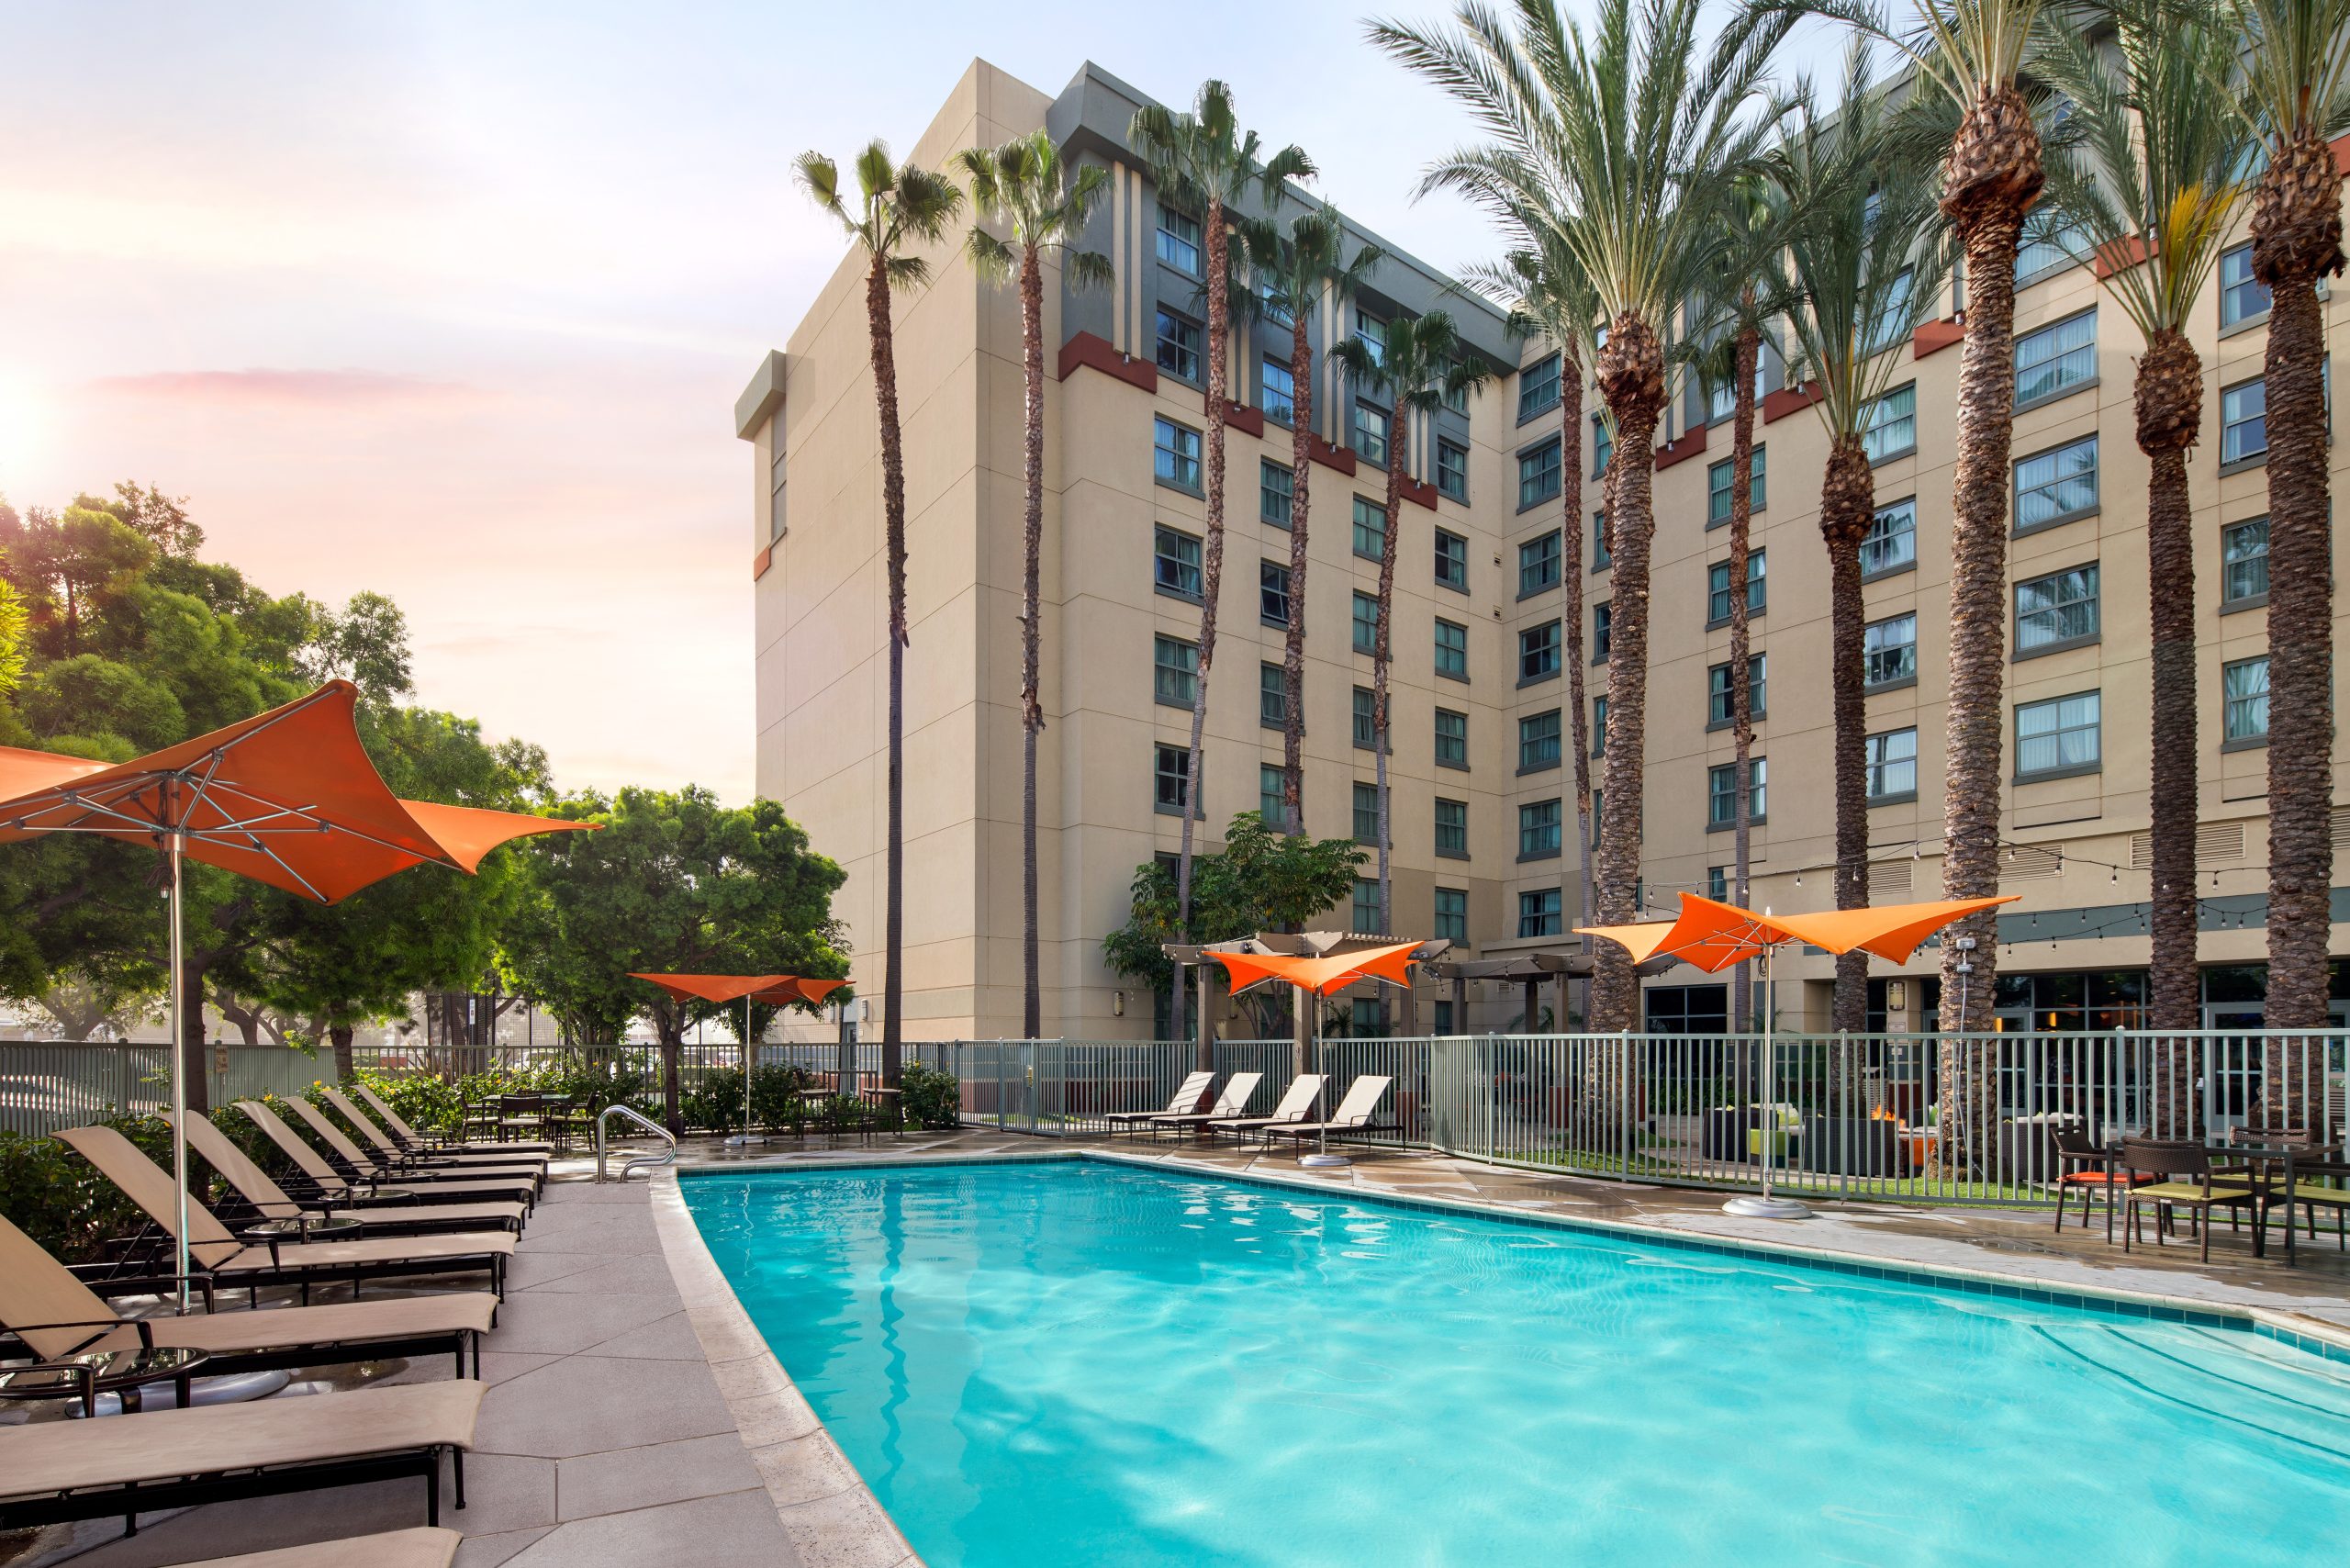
(453, 302)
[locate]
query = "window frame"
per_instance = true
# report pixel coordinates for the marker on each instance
(1268, 367)
(1534, 830)
(1161, 532)
(1875, 765)
(1275, 692)
(1359, 435)
(1160, 343)
(1195, 242)
(1182, 775)
(1450, 924)
(1908, 505)
(1758, 781)
(1544, 909)
(1364, 637)
(1162, 453)
(1440, 740)
(1364, 718)
(1757, 490)
(1868, 432)
(1457, 556)
(1547, 460)
(1533, 376)
(1532, 554)
(1160, 668)
(1461, 827)
(2094, 598)
(1758, 686)
(2249, 740)
(2230, 605)
(1266, 469)
(2250, 319)
(1379, 540)
(2017, 490)
(1553, 651)
(1452, 477)
(1900, 681)
(2249, 459)
(1268, 568)
(1758, 585)
(1440, 648)
(2066, 390)
(2060, 770)
(1557, 741)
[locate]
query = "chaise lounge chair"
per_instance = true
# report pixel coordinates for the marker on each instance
(407, 1137)
(217, 1253)
(1192, 1097)
(127, 1466)
(425, 1547)
(332, 1186)
(1351, 1119)
(1296, 1105)
(359, 1166)
(56, 1317)
(389, 1153)
(1230, 1104)
(269, 1201)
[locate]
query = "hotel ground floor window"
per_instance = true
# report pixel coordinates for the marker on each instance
(1687, 1009)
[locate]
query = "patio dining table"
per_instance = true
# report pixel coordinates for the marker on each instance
(2284, 1155)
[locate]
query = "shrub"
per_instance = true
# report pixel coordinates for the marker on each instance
(932, 1097)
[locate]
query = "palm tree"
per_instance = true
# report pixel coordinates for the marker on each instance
(1423, 365)
(1859, 273)
(2148, 183)
(2297, 81)
(1622, 143)
(1025, 186)
(1295, 272)
(898, 207)
(1204, 161)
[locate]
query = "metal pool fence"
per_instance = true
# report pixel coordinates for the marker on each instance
(45, 1086)
(1925, 1117)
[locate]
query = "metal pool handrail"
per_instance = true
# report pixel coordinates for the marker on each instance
(655, 1129)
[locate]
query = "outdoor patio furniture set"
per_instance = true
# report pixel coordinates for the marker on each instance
(413, 1207)
(1197, 1109)
(2247, 1172)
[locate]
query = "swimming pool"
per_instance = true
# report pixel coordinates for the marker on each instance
(1082, 1363)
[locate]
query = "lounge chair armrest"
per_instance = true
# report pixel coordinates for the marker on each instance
(103, 1325)
(82, 1373)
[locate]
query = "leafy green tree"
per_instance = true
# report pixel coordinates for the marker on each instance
(674, 883)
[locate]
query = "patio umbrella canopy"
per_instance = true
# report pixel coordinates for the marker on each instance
(1319, 976)
(288, 797)
(777, 990)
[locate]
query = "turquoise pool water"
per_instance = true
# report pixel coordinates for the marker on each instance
(1087, 1363)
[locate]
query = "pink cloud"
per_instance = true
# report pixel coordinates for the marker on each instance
(321, 389)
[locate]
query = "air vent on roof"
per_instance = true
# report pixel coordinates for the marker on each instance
(1889, 879)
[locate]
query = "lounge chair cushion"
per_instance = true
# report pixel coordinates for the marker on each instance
(2192, 1192)
(421, 1548)
(337, 1323)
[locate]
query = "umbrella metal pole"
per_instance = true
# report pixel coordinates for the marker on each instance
(177, 851)
(750, 1056)
(1766, 1118)
(1321, 1157)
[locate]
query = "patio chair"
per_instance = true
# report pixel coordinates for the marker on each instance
(359, 1167)
(1296, 1105)
(267, 1200)
(524, 1113)
(408, 1139)
(426, 1546)
(390, 1153)
(330, 1185)
(56, 1471)
(55, 1316)
(2074, 1148)
(2185, 1174)
(217, 1253)
(2326, 1193)
(1232, 1102)
(1351, 1119)
(1192, 1096)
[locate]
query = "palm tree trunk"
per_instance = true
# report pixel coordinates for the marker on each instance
(2297, 239)
(1032, 709)
(1301, 457)
(1847, 506)
(1990, 177)
(893, 512)
(2170, 413)
(669, 1022)
(1741, 689)
(1399, 426)
(1574, 566)
(1211, 570)
(194, 1070)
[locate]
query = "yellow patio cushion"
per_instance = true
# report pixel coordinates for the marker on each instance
(2314, 1192)
(2192, 1192)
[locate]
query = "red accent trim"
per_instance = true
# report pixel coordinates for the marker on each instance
(1341, 459)
(1085, 349)
(1246, 420)
(1934, 337)
(1778, 405)
(761, 562)
(2341, 145)
(1680, 451)
(1418, 492)
(2122, 255)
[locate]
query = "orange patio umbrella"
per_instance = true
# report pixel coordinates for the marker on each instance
(1319, 976)
(288, 797)
(779, 990)
(1713, 935)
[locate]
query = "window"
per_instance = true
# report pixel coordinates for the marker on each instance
(2057, 737)
(1538, 741)
(1277, 309)
(1175, 671)
(1538, 477)
(1718, 883)
(1722, 793)
(1452, 914)
(1371, 333)
(1174, 777)
(1451, 649)
(1538, 388)
(1890, 322)
(1538, 564)
(1890, 648)
(1455, 398)
(2244, 702)
(1599, 726)
(1892, 762)
(2056, 359)
(1272, 697)
(1269, 794)
(1598, 816)
(1179, 346)
(1451, 829)
(2243, 297)
(1600, 559)
(1370, 528)
(1179, 241)
(1366, 813)
(1717, 604)
(2243, 421)
(1272, 593)
(2059, 610)
(2056, 487)
(1366, 719)
(1451, 560)
(775, 485)
(1277, 392)
(1603, 622)
(1366, 623)
(1718, 489)
(1891, 543)
(1892, 428)
(1603, 441)
(1451, 739)
(1369, 434)
(1367, 921)
(1537, 652)
(1717, 691)
(1175, 566)
(1538, 912)
(2043, 248)
(1538, 830)
(1177, 457)
(1275, 485)
(1451, 469)
(2244, 563)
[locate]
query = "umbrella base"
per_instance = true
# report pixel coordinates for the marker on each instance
(1758, 1207)
(1324, 1161)
(741, 1141)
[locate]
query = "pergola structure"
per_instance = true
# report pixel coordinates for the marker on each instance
(1532, 970)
